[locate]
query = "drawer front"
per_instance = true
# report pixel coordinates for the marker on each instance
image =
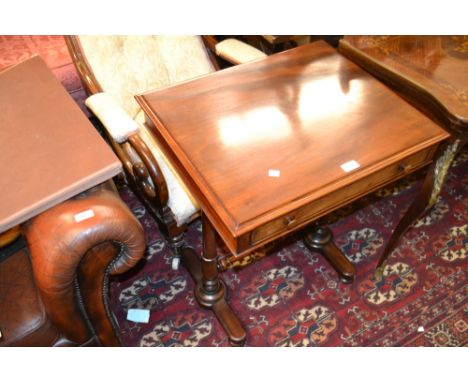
(341, 197)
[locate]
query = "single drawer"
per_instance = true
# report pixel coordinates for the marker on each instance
(336, 199)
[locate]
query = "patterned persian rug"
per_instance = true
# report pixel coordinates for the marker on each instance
(293, 297)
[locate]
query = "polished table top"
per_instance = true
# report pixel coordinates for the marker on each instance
(49, 151)
(256, 141)
(436, 64)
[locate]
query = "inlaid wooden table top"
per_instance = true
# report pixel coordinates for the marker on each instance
(257, 141)
(49, 151)
(435, 64)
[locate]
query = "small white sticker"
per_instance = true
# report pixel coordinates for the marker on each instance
(84, 215)
(138, 315)
(421, 329)
(274, 173)
(350, 166)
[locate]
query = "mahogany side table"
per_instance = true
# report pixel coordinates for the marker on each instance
(269, 147)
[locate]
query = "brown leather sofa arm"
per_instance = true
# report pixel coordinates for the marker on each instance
(74, 247)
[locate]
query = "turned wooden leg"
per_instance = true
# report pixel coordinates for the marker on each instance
(177, 243)
(320, 239)
(210, 290)
(426, 198)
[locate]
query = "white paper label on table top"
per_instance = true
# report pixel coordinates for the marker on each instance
(274, 173)
(350, 166)
(84, 215)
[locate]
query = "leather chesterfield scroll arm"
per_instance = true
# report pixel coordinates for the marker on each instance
(74, 247)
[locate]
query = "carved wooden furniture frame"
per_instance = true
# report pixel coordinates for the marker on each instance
(145, 176)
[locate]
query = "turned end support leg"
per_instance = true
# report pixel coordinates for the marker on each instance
(320, 239)
(210, 291)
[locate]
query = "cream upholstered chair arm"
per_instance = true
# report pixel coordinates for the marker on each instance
(114, 118)
(237, 52)
(136, 157)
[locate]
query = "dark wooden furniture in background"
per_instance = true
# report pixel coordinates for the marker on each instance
(271, 44)
(275, 43)
(269, 147)
(54, 291)
(431, 72)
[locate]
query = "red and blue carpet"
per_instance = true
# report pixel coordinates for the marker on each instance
(294, 298)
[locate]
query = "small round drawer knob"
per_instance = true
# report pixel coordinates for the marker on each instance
(289, 220)
(404, 167)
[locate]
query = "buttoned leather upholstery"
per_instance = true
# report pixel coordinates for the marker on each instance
(54, 291)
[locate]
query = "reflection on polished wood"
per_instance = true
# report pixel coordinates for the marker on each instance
(307, 112)
(431, 72)
(268, 147)
(434, 66)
